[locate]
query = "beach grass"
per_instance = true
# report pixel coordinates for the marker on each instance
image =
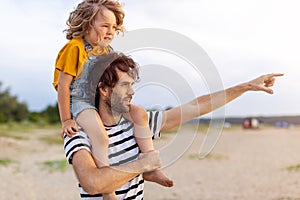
(52, 139)
(25, 127)
(210, 156)
(293, 168)
(21, 131)
(13, 135)
(202, 128)
(55, 165)
(6, 162)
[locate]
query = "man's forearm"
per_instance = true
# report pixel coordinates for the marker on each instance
(107, 179)
(210, 102)
(201, 106)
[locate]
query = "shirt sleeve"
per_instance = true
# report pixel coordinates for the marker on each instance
(68, 59)
(77, 142)
(155, 122)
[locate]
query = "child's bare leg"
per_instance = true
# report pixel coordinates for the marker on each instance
(92, 124)
(157, 176)
(146, 145)
(143, 138)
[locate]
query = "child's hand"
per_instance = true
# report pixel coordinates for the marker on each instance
(69, 127)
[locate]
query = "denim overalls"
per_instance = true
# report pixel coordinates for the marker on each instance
(82, 93)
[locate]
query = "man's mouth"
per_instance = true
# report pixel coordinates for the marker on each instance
(128, 100)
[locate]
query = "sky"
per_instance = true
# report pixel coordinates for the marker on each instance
(243, 38)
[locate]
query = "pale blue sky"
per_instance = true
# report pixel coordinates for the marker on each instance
(244, 38)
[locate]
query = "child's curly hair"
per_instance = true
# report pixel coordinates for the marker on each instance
(83, 17)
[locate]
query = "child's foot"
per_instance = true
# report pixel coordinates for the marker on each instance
(111, 196)
(159, 177)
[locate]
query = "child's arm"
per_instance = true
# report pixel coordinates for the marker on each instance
(69, 126)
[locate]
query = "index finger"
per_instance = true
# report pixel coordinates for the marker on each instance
(276, 74)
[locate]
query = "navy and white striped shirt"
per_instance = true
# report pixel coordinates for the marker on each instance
(122, 149)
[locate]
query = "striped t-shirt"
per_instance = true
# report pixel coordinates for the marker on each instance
(122, 149)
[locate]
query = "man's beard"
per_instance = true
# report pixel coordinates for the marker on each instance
(116, 104)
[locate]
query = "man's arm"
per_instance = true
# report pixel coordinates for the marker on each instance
(107, 179)
(207, 103)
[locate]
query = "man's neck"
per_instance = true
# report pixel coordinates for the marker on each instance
(107, 116)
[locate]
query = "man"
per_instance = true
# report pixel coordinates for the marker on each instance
(127, 165)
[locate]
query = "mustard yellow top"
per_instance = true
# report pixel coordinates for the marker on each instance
(71, 59)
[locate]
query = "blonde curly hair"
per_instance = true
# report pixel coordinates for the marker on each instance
(83, 17)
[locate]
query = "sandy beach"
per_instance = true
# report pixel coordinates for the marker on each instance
(244, 165)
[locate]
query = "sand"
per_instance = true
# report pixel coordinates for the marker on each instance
(245, 164)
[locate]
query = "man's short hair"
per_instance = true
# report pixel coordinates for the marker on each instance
(117, 61)
(124, 64)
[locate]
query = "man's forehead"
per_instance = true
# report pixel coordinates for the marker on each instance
(124, 76)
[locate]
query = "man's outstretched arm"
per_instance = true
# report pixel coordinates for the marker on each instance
(107, 179)
(207, 103)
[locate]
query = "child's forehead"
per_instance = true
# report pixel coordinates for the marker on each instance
(105, 15)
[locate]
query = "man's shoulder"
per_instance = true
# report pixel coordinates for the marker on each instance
(77, 142)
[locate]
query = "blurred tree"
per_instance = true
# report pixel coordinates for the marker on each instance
(51, 114)
(10, 108)
(21, 112)
(13, 110)
(34, 117)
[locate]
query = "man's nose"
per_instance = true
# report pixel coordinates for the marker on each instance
(131, 90)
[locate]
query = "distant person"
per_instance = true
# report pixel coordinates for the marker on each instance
(91, 28)
(113, 96)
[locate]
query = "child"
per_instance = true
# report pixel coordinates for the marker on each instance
(92, 26)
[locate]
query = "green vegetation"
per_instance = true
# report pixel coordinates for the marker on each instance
(11, 110)
(22, 130)
(25, 127)
(6, 161)
(52, 139)
(293, 168)
(200, 128)
(55, 165)
(217, 157)
(209, 156)
(15, 136)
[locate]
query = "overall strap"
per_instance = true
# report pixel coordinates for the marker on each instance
(87, 46)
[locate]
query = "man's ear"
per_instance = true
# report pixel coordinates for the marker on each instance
(103, 90)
